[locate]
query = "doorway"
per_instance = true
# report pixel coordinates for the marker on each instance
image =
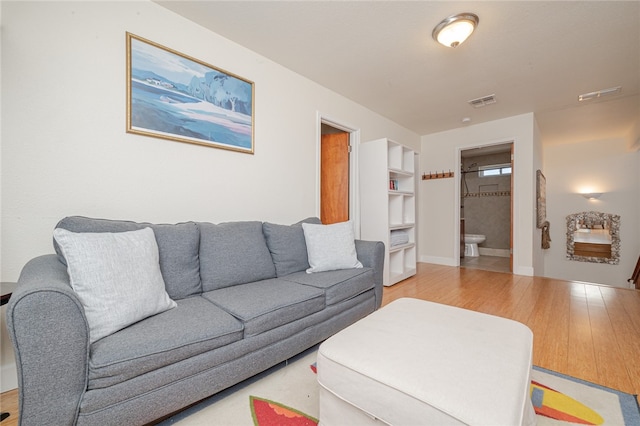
(486, 208)
(334, 175)
(337, 173)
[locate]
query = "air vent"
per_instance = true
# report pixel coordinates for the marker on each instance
(483, 101)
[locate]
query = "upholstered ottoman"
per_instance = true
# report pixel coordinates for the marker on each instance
(421, 363)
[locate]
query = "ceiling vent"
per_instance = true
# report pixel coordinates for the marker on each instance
(483, 101)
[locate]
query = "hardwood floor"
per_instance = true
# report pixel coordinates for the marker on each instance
(584, 330)
(9, 404)
(487, 263)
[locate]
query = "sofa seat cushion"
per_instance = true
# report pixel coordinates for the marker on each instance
(233, 253)
(267, 304)
(177, 245)
(338, 285)
(195, 326)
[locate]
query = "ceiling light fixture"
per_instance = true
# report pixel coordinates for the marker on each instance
(455, 29)
(600, 93)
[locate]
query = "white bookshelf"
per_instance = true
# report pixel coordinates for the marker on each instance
(388, 204)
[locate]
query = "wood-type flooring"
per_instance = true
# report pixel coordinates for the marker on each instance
(584, 330)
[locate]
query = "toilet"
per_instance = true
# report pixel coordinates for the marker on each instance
(471, 242)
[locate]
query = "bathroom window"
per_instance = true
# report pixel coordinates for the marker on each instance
(494, 170)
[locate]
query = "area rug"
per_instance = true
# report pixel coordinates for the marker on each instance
(287, 395)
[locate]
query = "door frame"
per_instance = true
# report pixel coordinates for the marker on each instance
(457, 196)
(354, 142)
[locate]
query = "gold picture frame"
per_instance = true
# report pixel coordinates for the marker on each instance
(176, 97)
(541, 199)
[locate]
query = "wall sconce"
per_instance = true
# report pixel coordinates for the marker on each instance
(592, 195)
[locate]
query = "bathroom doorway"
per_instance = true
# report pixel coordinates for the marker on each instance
(486, 208)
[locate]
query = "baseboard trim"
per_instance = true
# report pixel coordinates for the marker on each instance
(523, 270)
(447, 261)
(9, 375)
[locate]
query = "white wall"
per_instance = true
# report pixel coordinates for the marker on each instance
(606, 166)
(65, 150)
(439, 198)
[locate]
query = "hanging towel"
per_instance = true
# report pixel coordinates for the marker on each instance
(546, 238)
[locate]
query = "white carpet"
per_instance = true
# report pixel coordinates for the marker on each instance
(292, 383)
(294, 386)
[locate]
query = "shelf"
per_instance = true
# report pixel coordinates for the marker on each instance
(400, 172)
(388, 204)
(392, 192)
(394, 226)
(401, 247)
(401, 183)
(410, 272)
(400, 158)
(400, 267)
(394, 278)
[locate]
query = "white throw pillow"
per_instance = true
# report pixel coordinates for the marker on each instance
(330, 247)
(116, 277)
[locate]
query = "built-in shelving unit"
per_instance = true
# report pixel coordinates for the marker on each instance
(388, 204)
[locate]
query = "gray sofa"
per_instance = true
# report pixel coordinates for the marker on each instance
(244, 304)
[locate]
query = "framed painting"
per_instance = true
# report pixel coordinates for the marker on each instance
(541, 199)
(173, 96)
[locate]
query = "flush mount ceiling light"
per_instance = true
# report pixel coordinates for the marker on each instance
(455, 29)
(600, 93)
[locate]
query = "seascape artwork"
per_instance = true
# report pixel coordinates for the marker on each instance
(176, 97)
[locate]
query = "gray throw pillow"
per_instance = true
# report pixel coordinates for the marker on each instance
(116, 277)
(330, 247)
(287, 246)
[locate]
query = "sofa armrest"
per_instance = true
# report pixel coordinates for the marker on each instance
(50, 337)
(371, 255)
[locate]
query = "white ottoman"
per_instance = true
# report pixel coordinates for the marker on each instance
(421, 363)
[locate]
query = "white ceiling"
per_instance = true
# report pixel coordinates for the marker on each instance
(535, 56)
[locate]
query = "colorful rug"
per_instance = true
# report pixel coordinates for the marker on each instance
(287, 395)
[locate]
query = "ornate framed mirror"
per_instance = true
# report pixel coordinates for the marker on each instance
(593, 237)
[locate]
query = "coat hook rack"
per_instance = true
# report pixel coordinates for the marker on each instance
(437, 175)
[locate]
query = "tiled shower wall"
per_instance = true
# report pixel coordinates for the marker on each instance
(487, 202)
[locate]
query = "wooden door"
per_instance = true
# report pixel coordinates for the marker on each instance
(635, 276)
(334, 178)
(511, 217)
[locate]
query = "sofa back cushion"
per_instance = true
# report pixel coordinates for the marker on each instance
(233, 253)
(177, 246)
(287, 246)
